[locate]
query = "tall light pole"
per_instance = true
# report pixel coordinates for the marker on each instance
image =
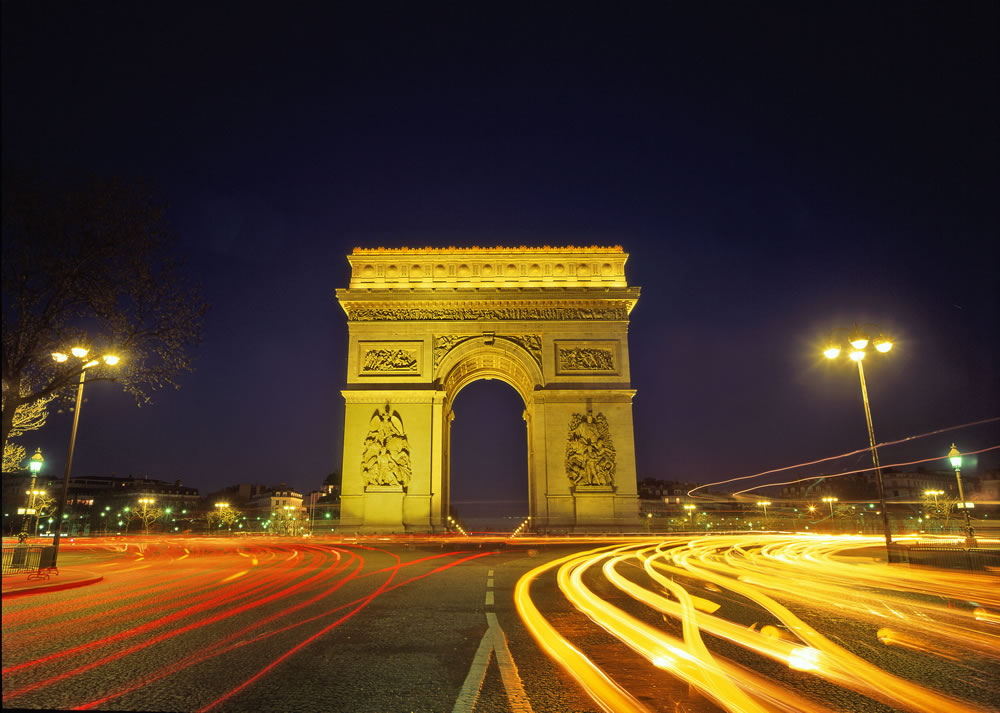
(764, 504)
(858, 340)
(59, 357)
(956, 462)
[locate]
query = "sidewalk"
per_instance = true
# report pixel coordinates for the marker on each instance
(16, 585)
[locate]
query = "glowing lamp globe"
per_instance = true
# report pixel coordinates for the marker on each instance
(35, 464)
(955, 457)
(832, 352)
(883, 345)
(858, 355)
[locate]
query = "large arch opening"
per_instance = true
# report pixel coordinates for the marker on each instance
(487, 450)
(489, 457)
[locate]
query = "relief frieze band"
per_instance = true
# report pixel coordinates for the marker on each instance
(454, 314)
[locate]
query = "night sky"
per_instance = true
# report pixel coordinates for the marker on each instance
(773, 171)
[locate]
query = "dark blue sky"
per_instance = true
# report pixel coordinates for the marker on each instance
(773, 171)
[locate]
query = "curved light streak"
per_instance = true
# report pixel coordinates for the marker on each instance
(773, 574)
(842, 455)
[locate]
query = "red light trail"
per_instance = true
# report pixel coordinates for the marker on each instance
(208, 584)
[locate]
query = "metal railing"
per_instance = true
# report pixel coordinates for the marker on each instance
(27, 558)
(973, 559)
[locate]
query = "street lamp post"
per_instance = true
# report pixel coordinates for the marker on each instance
(33, 506)
(830, 500)
(764, 504)
(690, 508)
(222, 512)
(35, 466)
(956, 463)
(79, 353)
(858, 340)
(145, 502)
(288, 519)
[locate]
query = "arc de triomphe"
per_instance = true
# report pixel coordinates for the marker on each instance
(551, 322)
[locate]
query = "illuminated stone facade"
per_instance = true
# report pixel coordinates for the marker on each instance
(551, 322)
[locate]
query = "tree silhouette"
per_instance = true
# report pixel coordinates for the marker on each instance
(90, 265)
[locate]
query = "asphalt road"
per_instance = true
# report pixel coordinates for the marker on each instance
(387, 625)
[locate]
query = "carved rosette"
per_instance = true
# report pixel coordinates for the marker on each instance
(531, 343)
(391, 361)
(385, 457)
(590, 452)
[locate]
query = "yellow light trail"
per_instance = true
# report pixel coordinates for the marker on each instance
(675, 579)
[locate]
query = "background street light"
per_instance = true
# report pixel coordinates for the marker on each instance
(79, 353)
(146, 503)
(289, 526)
(935, 493)
(222, 513)
(956, 463)
(858, 339)
(764, 504)
(830, 500)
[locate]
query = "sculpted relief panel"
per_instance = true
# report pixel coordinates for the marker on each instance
(587, 357)
(385, 458)
(388, 358)
(531, 343)
(590, 453)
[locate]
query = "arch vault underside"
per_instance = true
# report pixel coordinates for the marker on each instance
(551, 322)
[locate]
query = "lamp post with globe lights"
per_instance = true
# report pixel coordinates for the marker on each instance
(81, 354)
(35, 466)
(956, 462)
(858, 339)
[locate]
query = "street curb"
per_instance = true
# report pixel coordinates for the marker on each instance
(55, 587)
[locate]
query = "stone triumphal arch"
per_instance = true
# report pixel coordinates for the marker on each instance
(551, 322)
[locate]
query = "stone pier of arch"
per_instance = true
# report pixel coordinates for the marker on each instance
(425, 323)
